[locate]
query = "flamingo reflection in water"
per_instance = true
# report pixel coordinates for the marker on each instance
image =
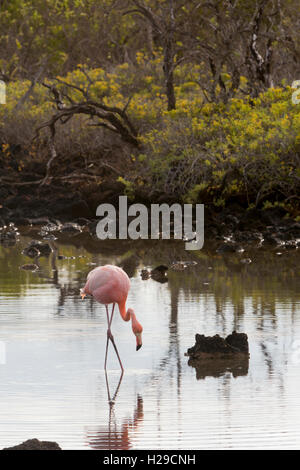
(112, 437)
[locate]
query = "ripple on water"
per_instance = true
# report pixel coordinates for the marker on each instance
(52, 384)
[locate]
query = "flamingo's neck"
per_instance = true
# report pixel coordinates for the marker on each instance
(133, 318)
(125, 315)
(130, 315)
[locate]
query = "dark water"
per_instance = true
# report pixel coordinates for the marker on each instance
(52, 384)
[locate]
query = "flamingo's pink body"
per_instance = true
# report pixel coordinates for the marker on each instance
(110, 285)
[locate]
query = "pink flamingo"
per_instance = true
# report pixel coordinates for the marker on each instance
(110, 285)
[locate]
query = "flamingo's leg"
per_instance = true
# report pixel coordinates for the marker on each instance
(114, 345)
(106, 350)
(107, 388)
(112, 314)
(106, 353)
(111, 338)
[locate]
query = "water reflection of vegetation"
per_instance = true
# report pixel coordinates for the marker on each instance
(267, 279)
(270, 279)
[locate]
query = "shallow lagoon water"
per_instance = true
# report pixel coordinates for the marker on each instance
(52, 383)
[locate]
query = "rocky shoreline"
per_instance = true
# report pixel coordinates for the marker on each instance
(63, 209)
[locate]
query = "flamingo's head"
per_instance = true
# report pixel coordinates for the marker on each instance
(136, 328)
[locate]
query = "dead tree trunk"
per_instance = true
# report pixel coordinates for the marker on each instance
(169, 54)
(164, 26)
(168, 68)
(259, 66)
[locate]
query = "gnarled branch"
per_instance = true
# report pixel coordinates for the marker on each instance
(112, 118)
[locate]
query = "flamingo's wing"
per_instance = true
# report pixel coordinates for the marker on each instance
(97, 278)
(108, 284)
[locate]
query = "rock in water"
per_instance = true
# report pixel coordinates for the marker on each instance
(230, 355)
(31, 251)
(160, 269)
(159, 274)
(71, 228)
(8, 235)
(215, 346)
(29, 267)
(145, 274)
(36, 248)
(238, 341)
(35, 444)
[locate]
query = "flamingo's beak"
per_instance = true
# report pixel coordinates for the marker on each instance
(82, 294)
(139, 341)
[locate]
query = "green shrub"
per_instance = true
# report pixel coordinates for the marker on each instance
(247, 149)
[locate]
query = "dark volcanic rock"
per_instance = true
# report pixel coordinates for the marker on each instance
(51, 227)
(71, 228)
(37, 248)
(182, 265)
(39, 221)
(35, 444)
(158, 274)
(82, 221)
(291, 245)
(271, 238)
(238, 341)
(293, 230)
(31, 251)
(145, 274)
(229, 247)
(247, 236)
(210, 346)
(8, 235)
(29, 267)
(160, 269)
(178, 266)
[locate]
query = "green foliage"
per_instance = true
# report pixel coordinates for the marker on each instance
(129, 187)
(246, 149)
(59, 34)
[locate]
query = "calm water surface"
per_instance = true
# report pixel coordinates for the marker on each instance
(52, 384)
